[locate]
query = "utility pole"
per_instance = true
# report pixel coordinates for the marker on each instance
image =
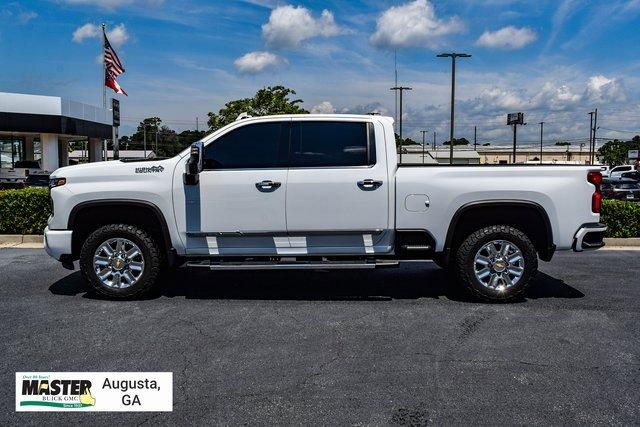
(401, 89)
(595, 128)
(197, 127)
(423, 143)
(475, 138)
(144, 127)
(541, 131)
(434, 140)
(395, 83)
(453, 57)
(591, 137)
(156, 139)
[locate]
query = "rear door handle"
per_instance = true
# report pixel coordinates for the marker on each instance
(267, 185)
(369, 184)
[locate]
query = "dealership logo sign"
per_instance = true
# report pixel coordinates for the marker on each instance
(94, 391)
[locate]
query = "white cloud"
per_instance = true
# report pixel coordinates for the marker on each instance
(324, 107)
(256, 62)
(372, 107)
(604, 89)
(85, 32)
(288, 26)
(117, 36)
(25, 17)
(413, 24)
(114, 4)
(507, 38)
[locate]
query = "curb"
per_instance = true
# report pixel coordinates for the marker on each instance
(616, 241)
(8, 240)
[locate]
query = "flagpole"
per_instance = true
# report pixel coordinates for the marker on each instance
(104, 69)
(104, 89)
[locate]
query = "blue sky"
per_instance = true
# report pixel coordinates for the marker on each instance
(553, 60)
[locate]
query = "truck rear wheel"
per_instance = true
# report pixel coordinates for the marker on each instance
(120, 261)
(496, 263)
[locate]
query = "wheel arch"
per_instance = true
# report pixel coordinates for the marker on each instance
(530, 217)
(87, 216)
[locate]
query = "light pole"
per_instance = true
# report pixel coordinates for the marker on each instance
(591, 138)
(423, 143)
(453, 57)
(541, 130)
(401, 89)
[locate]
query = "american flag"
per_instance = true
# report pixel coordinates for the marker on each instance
(112, 66)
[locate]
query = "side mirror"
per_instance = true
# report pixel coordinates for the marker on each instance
(194, 164)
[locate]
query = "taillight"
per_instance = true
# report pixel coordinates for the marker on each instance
(595, 178)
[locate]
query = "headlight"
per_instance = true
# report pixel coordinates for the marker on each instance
(57, 182)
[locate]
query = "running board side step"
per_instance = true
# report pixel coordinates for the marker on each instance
(296, 265)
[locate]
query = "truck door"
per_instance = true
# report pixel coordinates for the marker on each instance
(338, 189)
(238, 207)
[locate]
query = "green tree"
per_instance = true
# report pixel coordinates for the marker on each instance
(614, 153)
(170, 142)
(406, 141)
(151, 124)
(267, 101)
(457, 141)
(563, 143)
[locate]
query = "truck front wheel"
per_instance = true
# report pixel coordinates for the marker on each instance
(496, 263)
(120, 261)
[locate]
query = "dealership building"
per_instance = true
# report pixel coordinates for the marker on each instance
(40, 128)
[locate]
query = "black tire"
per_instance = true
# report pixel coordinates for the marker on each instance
(465, 264)
(151, 255)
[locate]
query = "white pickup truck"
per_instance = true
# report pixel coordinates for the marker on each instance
(316, 192)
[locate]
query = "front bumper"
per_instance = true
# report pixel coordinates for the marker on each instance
(589, 236)
(57, 242)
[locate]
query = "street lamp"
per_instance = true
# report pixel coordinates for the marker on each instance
(401, 89)
(453, 57)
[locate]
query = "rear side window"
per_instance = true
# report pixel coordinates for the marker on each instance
(253, 146)
(326, 144)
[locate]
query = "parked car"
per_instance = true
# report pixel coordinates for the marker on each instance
(604, 170)
(15, 177)
(619, 170)
(37, 180)
(634, 175)
(621, 189)
(316, 192)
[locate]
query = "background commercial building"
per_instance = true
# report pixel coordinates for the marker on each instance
(40, 128)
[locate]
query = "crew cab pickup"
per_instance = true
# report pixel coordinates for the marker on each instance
(316, 192)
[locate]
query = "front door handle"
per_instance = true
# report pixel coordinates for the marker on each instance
(369, 184)
(267, 186)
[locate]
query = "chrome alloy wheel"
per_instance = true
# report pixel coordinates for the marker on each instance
(499, 265)
(118, 263)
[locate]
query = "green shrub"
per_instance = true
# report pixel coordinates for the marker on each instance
(24, 211)
(622, 218)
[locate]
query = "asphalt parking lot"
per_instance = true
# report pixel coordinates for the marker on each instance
(395, 346)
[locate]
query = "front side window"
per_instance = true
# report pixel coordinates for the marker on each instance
(253, 146)
(326, 144)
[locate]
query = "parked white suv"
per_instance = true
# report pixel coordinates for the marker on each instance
(316, 191)
(617, 171)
